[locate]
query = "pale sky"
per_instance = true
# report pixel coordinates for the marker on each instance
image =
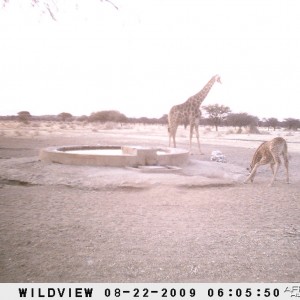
(149, 55)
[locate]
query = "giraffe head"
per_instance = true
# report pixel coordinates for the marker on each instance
(250, 168)
(218, 78)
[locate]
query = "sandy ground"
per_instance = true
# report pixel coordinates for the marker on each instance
(62, 223)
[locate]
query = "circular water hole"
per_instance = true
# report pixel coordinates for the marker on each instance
(115, 156)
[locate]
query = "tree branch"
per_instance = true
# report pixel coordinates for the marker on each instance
(47, 7)
(116, 7)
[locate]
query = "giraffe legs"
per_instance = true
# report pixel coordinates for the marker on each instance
(197, 136)
(276, 167)
(270, 153)
(251, 176)
(174, 141)
(275, 164)
(196, 126)
(253, 173)
(272, 166)
(286, 164)
(191, 136)
(170, 138)
(172, 135)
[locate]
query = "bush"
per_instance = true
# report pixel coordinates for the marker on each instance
(107, 116)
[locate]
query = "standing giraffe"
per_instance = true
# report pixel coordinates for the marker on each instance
(189, 113)
(269, 153)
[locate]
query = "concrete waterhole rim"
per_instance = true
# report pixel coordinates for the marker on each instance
(145, 159)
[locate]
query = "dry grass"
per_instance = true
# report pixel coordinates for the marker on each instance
(61, 223)
(79, 238)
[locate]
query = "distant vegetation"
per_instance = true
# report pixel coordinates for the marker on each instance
(100, 116)
(215, 115)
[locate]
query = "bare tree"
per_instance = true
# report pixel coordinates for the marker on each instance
(272, 122)
(217, 113)
(241, 120)
(64, 116)
(291, 123)
(50, 6)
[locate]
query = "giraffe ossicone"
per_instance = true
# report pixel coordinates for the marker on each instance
(189, 113)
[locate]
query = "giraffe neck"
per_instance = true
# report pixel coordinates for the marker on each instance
(257, 156)
(199, 97)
